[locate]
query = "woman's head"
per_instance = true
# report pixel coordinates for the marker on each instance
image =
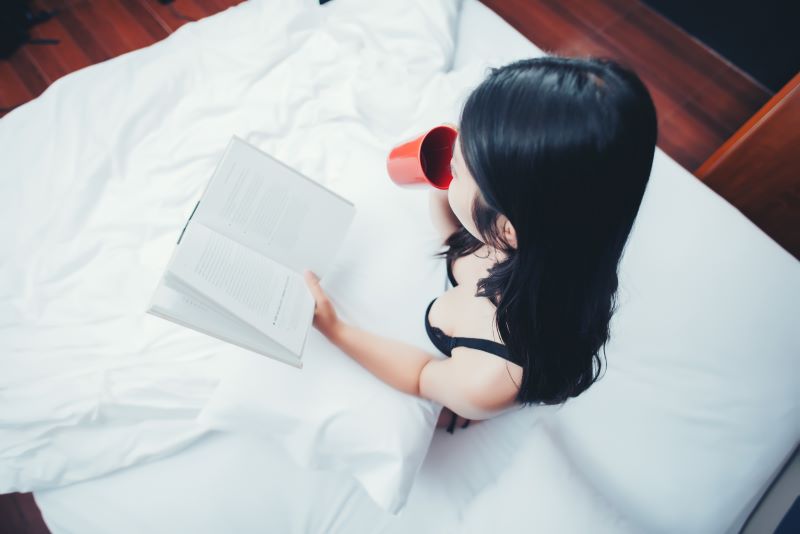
(550, 166)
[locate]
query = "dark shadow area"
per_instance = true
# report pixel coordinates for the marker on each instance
(761, 38)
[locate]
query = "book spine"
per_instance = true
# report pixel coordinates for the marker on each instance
(187, 222)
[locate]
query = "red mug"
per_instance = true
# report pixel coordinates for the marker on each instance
(425, 160)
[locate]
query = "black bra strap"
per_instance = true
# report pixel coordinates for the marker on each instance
(482, 344)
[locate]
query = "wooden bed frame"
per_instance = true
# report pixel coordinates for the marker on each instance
(758, 168)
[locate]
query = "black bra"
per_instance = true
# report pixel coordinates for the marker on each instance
(445, 343)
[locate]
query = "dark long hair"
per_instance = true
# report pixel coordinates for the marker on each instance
(563, 147)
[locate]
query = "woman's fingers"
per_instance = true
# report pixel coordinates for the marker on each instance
(326, 319)
(450, 420)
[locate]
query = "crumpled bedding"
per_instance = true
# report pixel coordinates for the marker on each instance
(99, 173)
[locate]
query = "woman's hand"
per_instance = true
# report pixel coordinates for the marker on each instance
(325, 318)
(446, 419)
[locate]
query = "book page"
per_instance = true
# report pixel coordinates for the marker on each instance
(258, 201)
(171, 303)
(257, 290)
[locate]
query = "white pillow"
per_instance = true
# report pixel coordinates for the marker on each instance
(700, 405)
(541, 491)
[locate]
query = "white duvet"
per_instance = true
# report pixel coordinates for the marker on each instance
(95, 192)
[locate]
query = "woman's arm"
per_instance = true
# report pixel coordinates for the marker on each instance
(442, 214)
(455, 383)
(397, 363)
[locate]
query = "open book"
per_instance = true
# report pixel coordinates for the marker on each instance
(237, 270)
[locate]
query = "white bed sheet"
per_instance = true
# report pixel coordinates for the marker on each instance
(227, 482)
(100, 172)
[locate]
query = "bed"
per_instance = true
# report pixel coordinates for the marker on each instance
(519, 472)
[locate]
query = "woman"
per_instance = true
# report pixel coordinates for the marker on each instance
(549, 169)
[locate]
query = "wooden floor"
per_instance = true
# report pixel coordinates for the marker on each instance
(700, 98)
(91, 31)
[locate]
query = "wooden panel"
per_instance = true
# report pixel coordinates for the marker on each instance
(140, 9)
(13, 92)
(87, 32)
(597, 16)
(758, 168)
(19, 514)
(700, 98)
(48, 64)
(130, 30)
(177, 14)
(66, 54)
(27, 72)
(77, 21)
